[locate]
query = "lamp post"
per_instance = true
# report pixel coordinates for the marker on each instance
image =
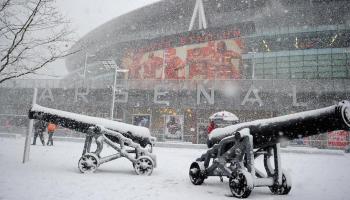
(85, 63)
(112, 65)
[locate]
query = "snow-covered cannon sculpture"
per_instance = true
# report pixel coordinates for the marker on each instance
(132, 142)
(233, 149)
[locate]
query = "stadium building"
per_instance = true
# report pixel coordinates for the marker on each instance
(175, 62)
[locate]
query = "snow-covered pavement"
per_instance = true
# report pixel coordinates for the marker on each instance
(52, 173)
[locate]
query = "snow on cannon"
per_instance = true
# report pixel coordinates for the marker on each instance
(233, 149)
(132, 142)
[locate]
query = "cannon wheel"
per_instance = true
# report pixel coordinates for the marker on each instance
(196, 173)
(144, 166)
(88, 163)
(241, 184)
(285, 187)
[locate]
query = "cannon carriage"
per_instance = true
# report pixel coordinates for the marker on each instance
(132, 142)
(234, 149)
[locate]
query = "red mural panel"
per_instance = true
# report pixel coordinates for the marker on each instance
(338, 139)
(219, 59)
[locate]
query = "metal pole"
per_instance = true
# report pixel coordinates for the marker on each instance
(85, 63)
(202, 15)
(253, 69)
(29, 132)
(195, 10)
(113, 97)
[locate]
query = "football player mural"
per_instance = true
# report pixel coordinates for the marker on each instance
(220, 59)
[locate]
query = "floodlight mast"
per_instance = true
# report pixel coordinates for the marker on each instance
(198, 10)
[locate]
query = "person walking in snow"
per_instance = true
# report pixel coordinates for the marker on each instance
(50, 130)
(39, 128)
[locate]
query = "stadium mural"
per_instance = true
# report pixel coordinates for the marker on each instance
(191, 55)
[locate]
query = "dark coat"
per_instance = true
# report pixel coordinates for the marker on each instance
(40, 125)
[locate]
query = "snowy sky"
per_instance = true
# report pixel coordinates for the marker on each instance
(85, 15)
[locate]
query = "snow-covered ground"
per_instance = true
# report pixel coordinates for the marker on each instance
(52, 173)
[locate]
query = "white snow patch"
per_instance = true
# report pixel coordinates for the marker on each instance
(52, 173)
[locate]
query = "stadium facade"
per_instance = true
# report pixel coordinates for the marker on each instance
(256, 58)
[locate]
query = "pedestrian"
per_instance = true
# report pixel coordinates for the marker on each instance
(39, 128)
(210, 128)
(50, 130)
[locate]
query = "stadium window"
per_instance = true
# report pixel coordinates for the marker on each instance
(270, 65)
(269, 76)
(270, 59)
(259, 60)
(339, 62)
(310, 63)
(339, 71)
(324, 71)
(283, 59)
(310, 57)
(324, 57)
(339, 56)
(283, 65)
(297, 64)
(296, 58)
(325, 62)
(282, 75)
(259, 66)
(296, 72)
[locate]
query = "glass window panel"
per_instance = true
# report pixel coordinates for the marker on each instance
(310, 75)
(339, 56)
(269, 76)
(259, 71)
(339, 68)
(324, 69)
(259, 76)
(310, 57)
(296, 58)
(296, 69)
(339, 74)
(339, 62)
(325, 62)
(283, 59)
(258, 60)
(310, 63)
(272, 59)
(258, 66)
(282, 70)
(296, 64)
(324, 57)
(324, 74)
(270, 71)
(269, 65)
(283, 65)
(297, 75)
(282, 76)
(310, 69)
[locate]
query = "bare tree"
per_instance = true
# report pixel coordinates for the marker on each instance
(33, 34)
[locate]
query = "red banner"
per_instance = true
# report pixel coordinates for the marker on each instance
(338, 139)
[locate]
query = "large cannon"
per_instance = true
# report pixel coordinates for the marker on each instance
(233, 149)
(132, 142)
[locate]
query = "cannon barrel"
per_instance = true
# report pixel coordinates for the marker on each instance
(82, 123)
(270, 131)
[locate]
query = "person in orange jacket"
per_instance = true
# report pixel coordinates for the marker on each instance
(51, 127)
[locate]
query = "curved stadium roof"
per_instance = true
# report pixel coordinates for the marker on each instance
(173, 16)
